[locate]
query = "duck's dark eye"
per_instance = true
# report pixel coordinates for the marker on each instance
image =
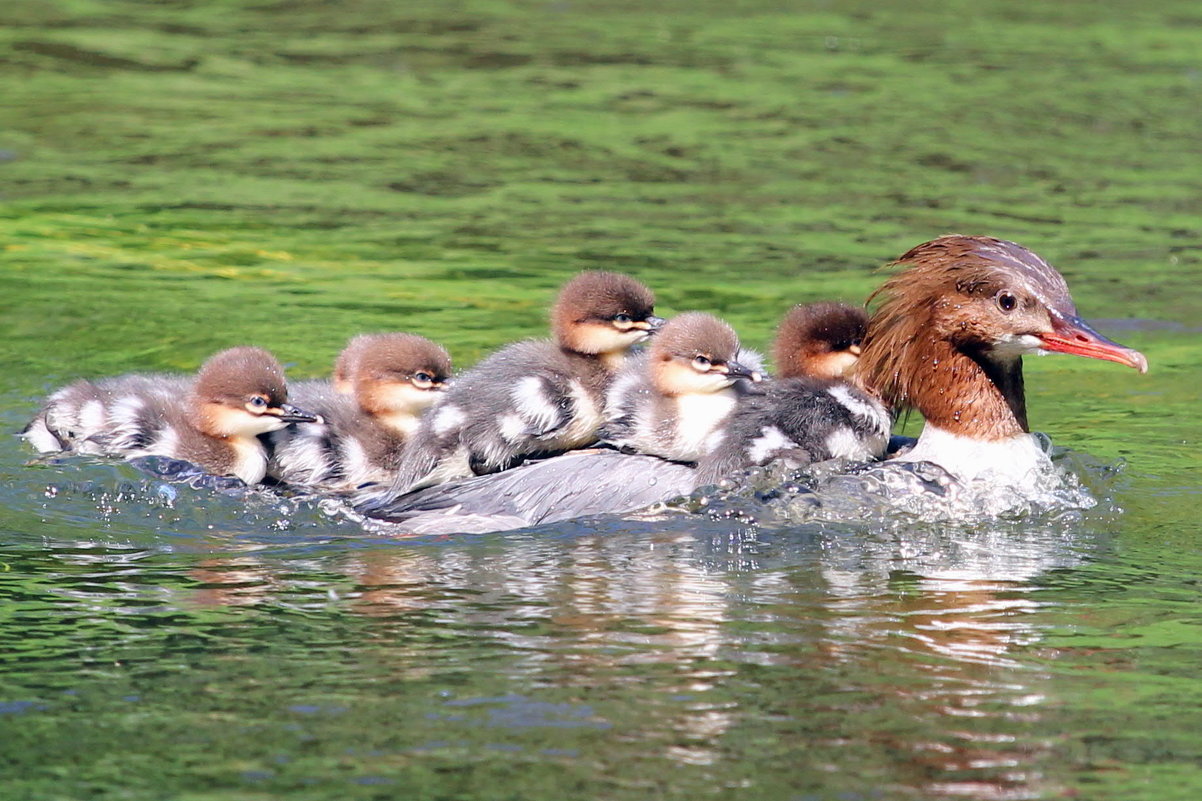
(424, 377)
(258, 402)
(701, 362)
(1006, 301)
(623, 318)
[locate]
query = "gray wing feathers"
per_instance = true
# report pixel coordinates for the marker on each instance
(573, 485)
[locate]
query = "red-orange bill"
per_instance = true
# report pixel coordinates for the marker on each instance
(1073, 335)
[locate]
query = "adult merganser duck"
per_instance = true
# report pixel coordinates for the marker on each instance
(393, 379)
(671, 402)
(212, 421)
(811, 413)
(536, 396)
(947, 340)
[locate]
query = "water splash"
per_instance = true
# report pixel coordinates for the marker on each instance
(154, 496)
(895, 495)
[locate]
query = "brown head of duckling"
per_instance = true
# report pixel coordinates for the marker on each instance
(696, 353)
(397, 374)
(241, 392)
(603, 313)
(819, 340)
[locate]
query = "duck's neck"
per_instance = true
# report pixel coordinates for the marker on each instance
(972, 394)
(609, 361)
(594, 369)
(401, 422)
(220, 450)
(976, 415)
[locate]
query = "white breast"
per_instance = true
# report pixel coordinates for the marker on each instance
(697, 416)
(1011, 461)
(250, 460)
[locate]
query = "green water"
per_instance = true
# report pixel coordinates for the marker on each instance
(177, 177)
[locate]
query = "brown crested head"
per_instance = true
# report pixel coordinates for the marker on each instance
(696, 352)
(233, 376)
(399, 358)
(601, 312)
(819, 340)
(963, 310)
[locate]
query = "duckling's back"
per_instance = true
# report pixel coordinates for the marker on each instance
(530, 397)
(802, 420)
(108, 416)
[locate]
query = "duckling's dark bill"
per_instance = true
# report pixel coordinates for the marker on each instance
(290, 414)
(736, 370)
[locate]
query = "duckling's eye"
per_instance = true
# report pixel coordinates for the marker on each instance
(258, 402)
(424, 378)
(701, 362)
(622, 319)
(1006, 301)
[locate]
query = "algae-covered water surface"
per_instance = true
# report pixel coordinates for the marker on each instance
(183, 176)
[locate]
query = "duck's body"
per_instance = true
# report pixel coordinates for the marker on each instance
(537, 396)
(947, 340)
(672, 401)
(213, 420)
(811, 412)
(541, 491)
(393, 379)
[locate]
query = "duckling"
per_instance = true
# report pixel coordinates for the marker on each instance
(393, 378)
(213, 421)
(819, 340)
(673, 403)
(535, 396)
(811, 413)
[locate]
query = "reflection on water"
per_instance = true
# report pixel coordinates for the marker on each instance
(792, 657)
(783, 658)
